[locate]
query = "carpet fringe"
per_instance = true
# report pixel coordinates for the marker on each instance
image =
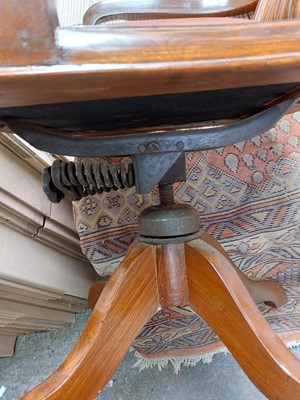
(293, 344)
(187, 361)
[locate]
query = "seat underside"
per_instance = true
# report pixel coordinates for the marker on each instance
(151, 111)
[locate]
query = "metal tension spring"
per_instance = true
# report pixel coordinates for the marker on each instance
(79, 179)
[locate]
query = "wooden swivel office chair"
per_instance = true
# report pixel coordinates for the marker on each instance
(132, 90)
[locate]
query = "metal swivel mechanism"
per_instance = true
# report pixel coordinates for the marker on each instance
(168, 222)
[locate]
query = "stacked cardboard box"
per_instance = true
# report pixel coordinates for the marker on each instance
(44, 277)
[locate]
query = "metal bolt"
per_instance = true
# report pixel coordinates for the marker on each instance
(180, 145)
(142, 148)
(153, 146)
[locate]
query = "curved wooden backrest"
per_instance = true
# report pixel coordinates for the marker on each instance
(106, 11)
(276, 10)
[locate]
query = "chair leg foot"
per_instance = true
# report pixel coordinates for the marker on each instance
(128, 300)
(262, 291)
(218, 295)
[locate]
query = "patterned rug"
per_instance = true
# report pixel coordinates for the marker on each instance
(248, 198)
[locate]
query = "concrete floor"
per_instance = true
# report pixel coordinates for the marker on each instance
(38, 355)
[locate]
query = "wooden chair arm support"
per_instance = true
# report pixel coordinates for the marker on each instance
(108, 11)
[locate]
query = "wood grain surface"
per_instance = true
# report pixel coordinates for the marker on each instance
(171, 275)
(261, 291)
(27, 32)
(125, 63)
(218, 295)
(275, 10)
(42, 66)
(150, 276)
(94, 293)
(127, 302)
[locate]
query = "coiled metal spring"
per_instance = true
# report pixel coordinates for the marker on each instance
(79, 179)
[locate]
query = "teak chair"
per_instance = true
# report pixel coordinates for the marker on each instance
(154, 90)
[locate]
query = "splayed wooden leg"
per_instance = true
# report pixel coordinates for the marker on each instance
(262, 291)
(218, 295)
(154, 276)
(127, 302)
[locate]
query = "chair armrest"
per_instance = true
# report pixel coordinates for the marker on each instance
(274, 10)
(102, 62)
(114, 11)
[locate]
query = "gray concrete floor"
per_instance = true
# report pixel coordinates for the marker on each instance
(38, 355)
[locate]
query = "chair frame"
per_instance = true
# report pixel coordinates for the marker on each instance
(117, 62)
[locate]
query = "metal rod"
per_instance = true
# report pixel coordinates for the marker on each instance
(166, 194)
